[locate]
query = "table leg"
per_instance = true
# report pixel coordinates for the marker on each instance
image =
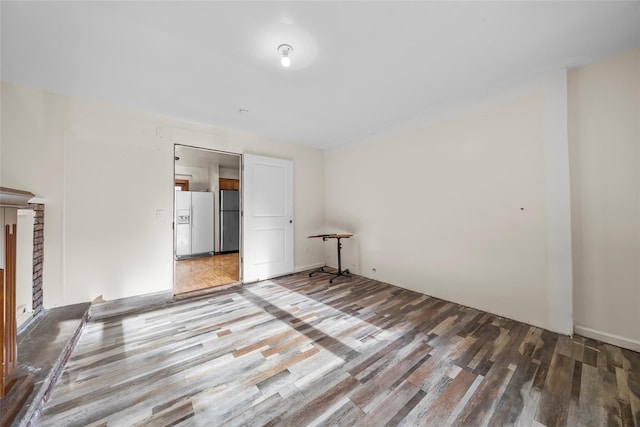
(345, 273)
(320, 270)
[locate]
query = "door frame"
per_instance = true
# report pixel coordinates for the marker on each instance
(173, 209)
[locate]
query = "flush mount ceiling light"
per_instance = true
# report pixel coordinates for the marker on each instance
(285, 50)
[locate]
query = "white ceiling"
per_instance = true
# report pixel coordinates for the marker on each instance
(357, 68)
(201, 158)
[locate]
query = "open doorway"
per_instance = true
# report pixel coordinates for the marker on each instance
(207, 226)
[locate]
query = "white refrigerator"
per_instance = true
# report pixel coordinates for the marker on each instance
(194, 223)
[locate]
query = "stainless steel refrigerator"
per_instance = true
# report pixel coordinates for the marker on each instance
(194, 223)
(229, 220)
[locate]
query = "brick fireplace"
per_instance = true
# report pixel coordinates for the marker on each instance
(38, 256)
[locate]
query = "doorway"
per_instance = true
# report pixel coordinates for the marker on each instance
(207, 227)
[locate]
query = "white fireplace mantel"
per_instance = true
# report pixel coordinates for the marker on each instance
(12, 198)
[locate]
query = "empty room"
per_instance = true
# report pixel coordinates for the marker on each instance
(345, 213)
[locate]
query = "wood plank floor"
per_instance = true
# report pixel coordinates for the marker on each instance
(297, 351)
(205, 272)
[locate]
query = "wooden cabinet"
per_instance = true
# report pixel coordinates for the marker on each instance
(183, 184)
(229, 184)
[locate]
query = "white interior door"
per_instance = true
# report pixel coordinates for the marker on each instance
(268, 217)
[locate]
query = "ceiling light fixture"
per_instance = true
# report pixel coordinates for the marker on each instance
(285, 50)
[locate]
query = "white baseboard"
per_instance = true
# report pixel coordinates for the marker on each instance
(23, 317)
(24, 324)
(295, 270)
(607, 337)
(308, 267)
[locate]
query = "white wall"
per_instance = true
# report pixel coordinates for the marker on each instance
(214, 179)
(604, 101)
(31, 138)
(111, 234)
(214, 184)
(229, 173)
(198, 177)
(463, 206)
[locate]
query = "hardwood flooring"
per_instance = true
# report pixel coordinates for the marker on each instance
(204, 272)
(297, 351)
